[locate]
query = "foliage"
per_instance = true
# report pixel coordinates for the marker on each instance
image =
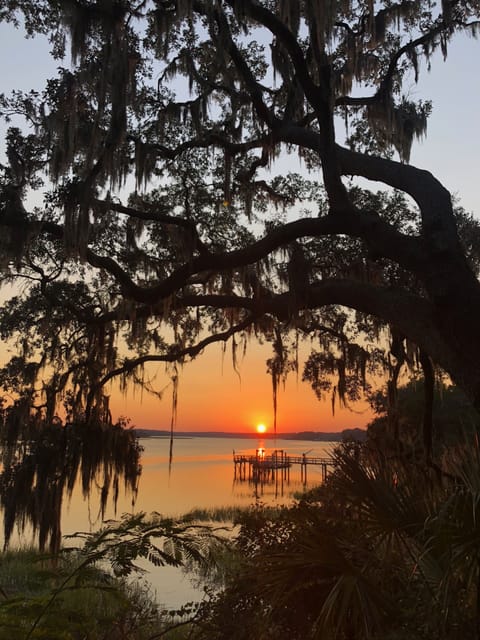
(84, 592)
(454, 417)
(88, 601)
(386, 548)
(162, 541)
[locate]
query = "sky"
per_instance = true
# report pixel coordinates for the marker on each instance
(212, 396)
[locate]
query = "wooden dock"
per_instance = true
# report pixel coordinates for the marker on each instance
(264, 467)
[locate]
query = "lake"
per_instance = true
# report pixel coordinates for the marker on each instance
(202, 476)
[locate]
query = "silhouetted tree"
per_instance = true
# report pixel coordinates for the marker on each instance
(188, 105)
(453, 417)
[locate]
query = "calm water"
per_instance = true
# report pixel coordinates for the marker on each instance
(202, 476)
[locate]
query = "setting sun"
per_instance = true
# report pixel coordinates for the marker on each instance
(261, 428)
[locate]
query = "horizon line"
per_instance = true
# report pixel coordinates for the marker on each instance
(253, 433)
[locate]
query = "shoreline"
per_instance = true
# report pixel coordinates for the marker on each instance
(313, 436)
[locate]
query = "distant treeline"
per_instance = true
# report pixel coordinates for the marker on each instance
(321, 436)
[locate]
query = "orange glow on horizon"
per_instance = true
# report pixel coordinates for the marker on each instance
(214, 396)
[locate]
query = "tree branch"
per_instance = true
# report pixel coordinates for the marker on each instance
(412, 315)
(174, 355)
(434, 201)
(378, 234)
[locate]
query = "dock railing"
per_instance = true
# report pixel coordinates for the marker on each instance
(261, 465)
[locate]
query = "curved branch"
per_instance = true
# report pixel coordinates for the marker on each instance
(384, 86)
(154, 216)
(209, 139)
(378, 234)
(267, 19)
(424, 40)
(412, 315)
(173, 356)
(254, 89)
(432, 197)
(319, 97)
(427, 38)
(369, 227)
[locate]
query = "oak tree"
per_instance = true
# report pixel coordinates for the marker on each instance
(149, 213)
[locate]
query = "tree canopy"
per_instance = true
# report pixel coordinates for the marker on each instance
(147, 211)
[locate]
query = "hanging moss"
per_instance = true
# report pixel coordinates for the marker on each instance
(173, 421)
(44, 461)
(400, 124)
(279, 366)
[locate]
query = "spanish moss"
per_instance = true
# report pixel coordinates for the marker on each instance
(43, 461)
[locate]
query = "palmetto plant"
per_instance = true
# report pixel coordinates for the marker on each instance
(161, 541)
(387, 548)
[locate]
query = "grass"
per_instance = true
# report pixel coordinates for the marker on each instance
(67, 600)
(76, 597)
(226, 515)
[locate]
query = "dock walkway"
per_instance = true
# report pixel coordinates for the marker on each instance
(262, 466)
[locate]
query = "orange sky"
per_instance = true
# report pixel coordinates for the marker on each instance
(213, 397)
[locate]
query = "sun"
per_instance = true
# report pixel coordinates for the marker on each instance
(261, 428)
